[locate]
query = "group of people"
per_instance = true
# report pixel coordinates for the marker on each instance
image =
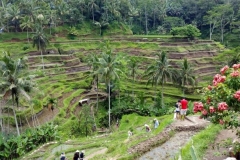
(181, 109)
(147, 127)
(77, 156)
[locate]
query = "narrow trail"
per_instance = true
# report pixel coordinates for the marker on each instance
(172, 138)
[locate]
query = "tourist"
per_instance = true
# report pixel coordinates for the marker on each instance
(184, 106)
(62, 157)
(81, 156)
(129, 134)
(76, 155)
(148, 129)
(156, 123)
(177, 110)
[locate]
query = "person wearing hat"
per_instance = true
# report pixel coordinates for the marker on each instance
(148, 129)
(76, 155)
(81, 155)
(62, 157)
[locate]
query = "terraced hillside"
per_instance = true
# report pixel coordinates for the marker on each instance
(66, 74)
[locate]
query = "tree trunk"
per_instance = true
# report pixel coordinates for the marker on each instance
(27, 35)
(146, 23)
(93, 13)
(162, 97)
(15, 117)
(210, 32)
(109, 114)
(222, 29)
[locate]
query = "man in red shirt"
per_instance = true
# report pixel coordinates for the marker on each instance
(184, 106)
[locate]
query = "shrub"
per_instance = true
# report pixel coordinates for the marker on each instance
(221, 99)
(189, 31)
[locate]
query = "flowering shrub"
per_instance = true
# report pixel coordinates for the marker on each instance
(221, 99)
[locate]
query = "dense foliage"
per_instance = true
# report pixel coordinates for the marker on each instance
(12, 147)
(215, 18)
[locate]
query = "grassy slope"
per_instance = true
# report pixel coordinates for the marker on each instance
(117, 143)
(93, 46)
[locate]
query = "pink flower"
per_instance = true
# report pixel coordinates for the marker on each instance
(237, 95)
(197, 106)
(209, 87)
(223, 70)
(218, 79)
(222, 106)
(211, 109)
(236, 66)
(204, 112)
(221, 122)
(235, 74)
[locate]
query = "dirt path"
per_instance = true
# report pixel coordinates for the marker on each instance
(102, 151)
(170, 148)
(169, 145)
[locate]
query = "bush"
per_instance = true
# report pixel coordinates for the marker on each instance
(221, 99)
(189, 31)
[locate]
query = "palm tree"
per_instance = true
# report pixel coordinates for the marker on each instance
(133, 67)
(92, 5)
(26, 23)
(40, 41)
(159, 72)
(109, 68)
(185, 76)
(101, 25)
(15, 80)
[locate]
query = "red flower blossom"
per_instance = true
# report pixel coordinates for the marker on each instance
(236, 66)
(223, 70)
(209, 87)
(235, 74)
(237, 95)
(204, 112)
(218, 79)
(197, 106)
(211, 109)
(222, 106)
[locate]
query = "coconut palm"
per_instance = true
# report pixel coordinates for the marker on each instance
(40, 41)
(185, 76)
(159, 72)
(133, 67)
(109, 69)
(13, 14)
(92, 6)
(94, 63)
(15, 80)
(26, 23)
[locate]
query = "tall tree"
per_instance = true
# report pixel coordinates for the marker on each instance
(15, 80)
(160, 72)
(93, 61)
(133, 68)
(109, 69)
(40, 41)
(185, 76)
(26, 23)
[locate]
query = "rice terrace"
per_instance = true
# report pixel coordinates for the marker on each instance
(119, 80)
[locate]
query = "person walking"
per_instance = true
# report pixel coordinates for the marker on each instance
(81, 156)
(184, 106)
(177, 110)
(76, 155)
(62, 157)
(156, 123)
